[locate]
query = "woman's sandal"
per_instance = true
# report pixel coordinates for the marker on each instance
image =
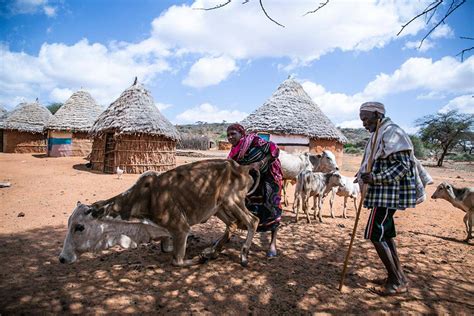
(390, 290)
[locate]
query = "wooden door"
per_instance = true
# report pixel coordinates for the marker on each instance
(109, 161)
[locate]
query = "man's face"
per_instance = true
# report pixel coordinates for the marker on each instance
(369, 120)
(233, 136)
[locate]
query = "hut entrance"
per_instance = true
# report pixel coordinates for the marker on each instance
(109, 156)
(1, 141)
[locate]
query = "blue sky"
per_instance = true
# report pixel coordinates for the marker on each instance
(223, 64)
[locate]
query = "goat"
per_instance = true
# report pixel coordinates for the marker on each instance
(462, 198)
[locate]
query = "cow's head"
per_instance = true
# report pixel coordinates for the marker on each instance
(325, 162)
(89, 231)
(443, 191)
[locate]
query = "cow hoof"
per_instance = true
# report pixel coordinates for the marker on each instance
(244, 263)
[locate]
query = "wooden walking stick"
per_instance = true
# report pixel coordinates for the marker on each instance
(361, 203)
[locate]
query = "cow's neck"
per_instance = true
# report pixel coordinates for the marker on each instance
(133, 203)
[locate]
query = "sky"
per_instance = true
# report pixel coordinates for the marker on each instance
(221, 65)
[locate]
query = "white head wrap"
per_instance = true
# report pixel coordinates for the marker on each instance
(373, 107)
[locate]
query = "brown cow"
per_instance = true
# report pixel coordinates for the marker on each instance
(168, 205)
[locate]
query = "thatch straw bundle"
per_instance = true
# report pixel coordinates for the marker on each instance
(132, 134)
(77, 114)
(24, 129)
(290, 111)
(28, 117)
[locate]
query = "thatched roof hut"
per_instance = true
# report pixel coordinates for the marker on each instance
(291, 119)
(68, 128)
(23, 129)
(132, 134)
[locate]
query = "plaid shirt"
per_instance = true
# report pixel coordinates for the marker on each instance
(394, 183)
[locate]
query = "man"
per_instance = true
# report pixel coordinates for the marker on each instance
(391, 185)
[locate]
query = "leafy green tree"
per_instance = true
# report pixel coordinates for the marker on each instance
(419, 148)
(54, 107)
(444, 130)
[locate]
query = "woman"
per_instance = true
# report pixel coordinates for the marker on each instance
(265, 201)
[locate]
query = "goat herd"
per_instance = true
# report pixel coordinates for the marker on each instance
(317, 175)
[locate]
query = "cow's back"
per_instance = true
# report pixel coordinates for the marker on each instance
(193, 191)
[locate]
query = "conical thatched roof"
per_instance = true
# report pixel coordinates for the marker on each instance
(28, 117)
(290, 111)
(3, 116)
(134, 112)
(77, 114)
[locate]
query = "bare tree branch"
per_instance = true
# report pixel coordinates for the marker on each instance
(463, 51)
(245, 1)
(322, 4)
(216, 7)
(263, 9)
(466, 49)
(451, 9)
(430, 7)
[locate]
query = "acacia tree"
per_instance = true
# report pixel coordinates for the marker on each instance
(444, 130)
(54, 107)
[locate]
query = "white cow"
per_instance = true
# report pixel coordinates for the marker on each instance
(316, 185)
(348, 189)
(294, 164)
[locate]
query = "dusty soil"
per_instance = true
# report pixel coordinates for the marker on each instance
(303, 279)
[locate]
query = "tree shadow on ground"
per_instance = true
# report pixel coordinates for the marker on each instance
(303, 279)
(461, 241)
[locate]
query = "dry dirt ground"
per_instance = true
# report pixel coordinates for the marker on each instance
(303, 279)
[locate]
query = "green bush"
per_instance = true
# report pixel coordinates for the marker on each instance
(462, 157)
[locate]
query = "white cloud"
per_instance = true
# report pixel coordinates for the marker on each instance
(351, 124)
(432, 95)
(464, 104)
(209, 71)
(443, 31)
(445, 75)
(103, 71)
(439, 78)
(410, 130)
(60, 95)
(49, 11)
(162, 106)
(427, 44)
(209, 113)
(30, 7)
(243, 31)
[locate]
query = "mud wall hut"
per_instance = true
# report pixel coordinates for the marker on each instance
(292, 120)
(132, 134)
(68, 129)
(23, 129)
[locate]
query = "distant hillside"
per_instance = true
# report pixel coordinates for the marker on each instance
(357, 138)
(214, 131)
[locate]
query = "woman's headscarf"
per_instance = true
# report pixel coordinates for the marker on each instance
(237, 127)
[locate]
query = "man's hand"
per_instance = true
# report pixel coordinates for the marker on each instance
(367, 177)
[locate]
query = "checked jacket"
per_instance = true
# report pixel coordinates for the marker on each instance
(394, 182)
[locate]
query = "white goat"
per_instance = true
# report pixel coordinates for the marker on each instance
(348, 189)
(462, 198)
(317, 185)
(294, 164)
